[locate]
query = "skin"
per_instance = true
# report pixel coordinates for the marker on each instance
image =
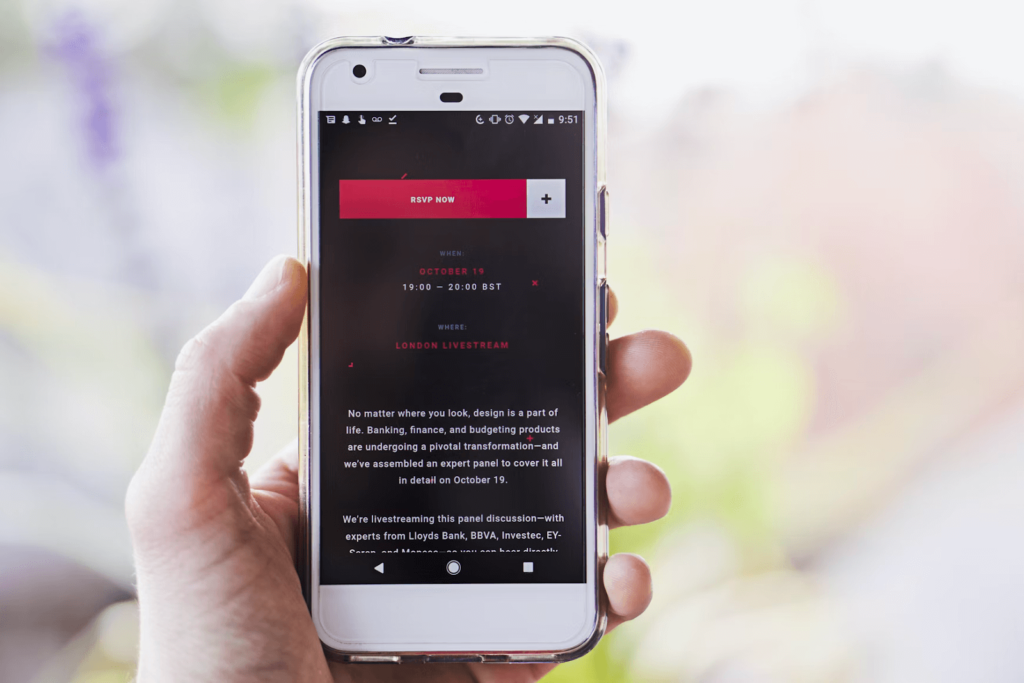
(219, 596)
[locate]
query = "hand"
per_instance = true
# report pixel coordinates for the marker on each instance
(219, 597)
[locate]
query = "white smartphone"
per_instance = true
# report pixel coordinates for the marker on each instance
(453, 215)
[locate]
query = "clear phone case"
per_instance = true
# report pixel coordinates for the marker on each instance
(306, 159)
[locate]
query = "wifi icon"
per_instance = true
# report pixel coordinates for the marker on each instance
(524, 117)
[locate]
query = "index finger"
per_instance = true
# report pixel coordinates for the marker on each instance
(642, 367)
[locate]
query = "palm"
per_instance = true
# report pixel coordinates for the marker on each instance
(275, 498)
(220, 599)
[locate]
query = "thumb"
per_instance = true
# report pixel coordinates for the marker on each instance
(206, 427)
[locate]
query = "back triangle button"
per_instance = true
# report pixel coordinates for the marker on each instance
(380, 567)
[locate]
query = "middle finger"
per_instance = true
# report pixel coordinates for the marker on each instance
(638, 491)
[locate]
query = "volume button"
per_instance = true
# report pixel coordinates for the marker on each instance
(602, 207)
(602, 359)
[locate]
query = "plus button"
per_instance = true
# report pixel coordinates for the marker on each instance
(546, 198)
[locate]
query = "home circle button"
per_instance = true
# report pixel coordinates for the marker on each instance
(453, 567)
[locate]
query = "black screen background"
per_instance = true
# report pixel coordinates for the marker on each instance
(364, 312)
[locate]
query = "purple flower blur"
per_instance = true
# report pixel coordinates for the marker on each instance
(77, 48)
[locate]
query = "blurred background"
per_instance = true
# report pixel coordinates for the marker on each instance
(823, 198)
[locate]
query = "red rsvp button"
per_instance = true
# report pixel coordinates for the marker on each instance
(478, 198)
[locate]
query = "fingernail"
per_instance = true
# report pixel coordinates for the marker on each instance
(268, 279)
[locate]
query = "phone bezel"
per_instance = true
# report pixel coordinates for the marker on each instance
(517, 613)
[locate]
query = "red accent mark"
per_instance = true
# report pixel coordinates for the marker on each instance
(529, 438)
(351, 364)
(403, 176)
(534, 283)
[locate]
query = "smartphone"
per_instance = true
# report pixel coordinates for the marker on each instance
(453, 221)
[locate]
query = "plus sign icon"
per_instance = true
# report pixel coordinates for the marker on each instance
(545, 198)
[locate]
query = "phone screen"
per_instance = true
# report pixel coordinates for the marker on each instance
(452, 347)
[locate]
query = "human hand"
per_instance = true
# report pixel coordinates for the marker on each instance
(219, 596)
